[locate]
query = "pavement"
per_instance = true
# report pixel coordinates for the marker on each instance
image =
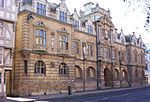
(62, 95)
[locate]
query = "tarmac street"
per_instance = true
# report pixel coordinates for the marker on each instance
(129, 95)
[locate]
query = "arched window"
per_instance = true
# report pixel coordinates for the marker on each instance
(135, 55)
(142, 57)
(116, 74)
(40, 67)
(78, 72)
(143, 74)
(136, 75)
(63, 69)
(90, 72)
(124, 75)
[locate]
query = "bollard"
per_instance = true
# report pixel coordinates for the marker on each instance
(69, 90)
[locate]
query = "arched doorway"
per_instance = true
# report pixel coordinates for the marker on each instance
(143, 75)
(107, 77)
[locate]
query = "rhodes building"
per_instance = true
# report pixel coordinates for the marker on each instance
(55, 51)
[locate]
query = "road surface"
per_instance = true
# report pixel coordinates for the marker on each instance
(129, 95)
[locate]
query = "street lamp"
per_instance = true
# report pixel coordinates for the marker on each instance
(69, 87)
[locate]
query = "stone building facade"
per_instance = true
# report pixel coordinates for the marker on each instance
(55, 50)
(147, 60)
(7, 39)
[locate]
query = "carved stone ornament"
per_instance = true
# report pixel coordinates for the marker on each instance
(39, 23)
(52, 64)
(25, 54)
(62, 30)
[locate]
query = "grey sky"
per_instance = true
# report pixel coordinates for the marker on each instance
(122, 15)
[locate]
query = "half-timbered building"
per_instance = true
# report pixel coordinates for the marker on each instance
(7, 40)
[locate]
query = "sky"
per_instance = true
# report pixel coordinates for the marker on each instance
(122, 15)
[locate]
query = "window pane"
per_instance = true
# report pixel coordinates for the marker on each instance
(37, 32)
(63, 16)
(40, 67)
(41, 33)
(44, 34)
(65, 71)
(40, 9)
(37, 40)
(44, 42)
(44, 10)
(66, 45)
(41, 41)
(1, 31)
(37, 8)
(52, 40)
(42, 70)
(25, 66)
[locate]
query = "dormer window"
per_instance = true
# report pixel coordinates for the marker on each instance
(41, 9)
(90, 29)
(76, 24)
(63, 16)
(27, 2)
(122, 40)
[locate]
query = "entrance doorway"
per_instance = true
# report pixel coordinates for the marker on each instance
(107, 77)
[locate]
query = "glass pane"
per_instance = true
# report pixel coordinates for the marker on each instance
(41, 41)
(44, 7)
(44, 34)
(37, 40)
(52, 41)
(41, 32)
(1, 31)
(37, 32)
(44, 42)
(67, 45)
(61, 44)
(41, 6)
(37, 5)
(64, 38)
(38, 70)
(42, 70)
(37, 8)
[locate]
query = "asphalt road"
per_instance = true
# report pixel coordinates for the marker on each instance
(130, 95)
